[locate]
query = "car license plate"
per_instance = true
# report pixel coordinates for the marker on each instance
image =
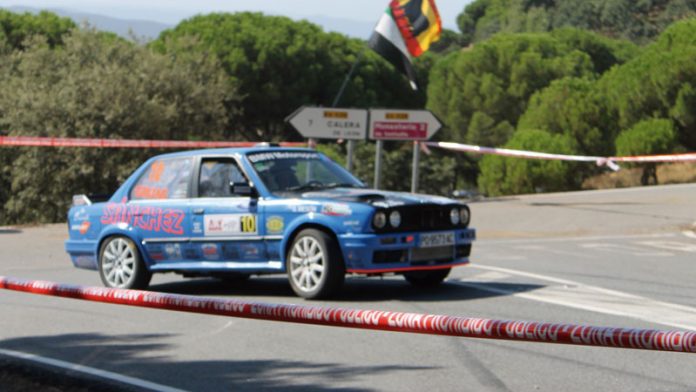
(430, 240)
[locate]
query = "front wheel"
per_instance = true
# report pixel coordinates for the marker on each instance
(427, 278)
(121, 266)
(314, 264)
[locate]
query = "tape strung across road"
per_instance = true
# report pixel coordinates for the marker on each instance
(645, 339)
(600, 161)
(31, 141)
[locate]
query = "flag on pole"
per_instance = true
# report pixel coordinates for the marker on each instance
(405, 31)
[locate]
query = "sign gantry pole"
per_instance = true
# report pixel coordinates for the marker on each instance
(414, 168)
(404, 125)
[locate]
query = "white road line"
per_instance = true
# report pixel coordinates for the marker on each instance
(103, 374)
(550, 250)
(484, 241)
(596, 299)
(671, 245)
(506, 257)
(624, 250)
(690, 233)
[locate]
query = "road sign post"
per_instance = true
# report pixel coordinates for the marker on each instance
(404, 125)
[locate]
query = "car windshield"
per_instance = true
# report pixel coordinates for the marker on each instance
(299, 171)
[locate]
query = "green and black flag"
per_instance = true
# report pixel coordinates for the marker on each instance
(405, 31)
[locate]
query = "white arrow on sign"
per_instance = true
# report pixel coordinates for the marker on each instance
(395, 124)
(330, 123)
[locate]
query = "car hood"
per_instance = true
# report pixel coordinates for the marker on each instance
(374, 197)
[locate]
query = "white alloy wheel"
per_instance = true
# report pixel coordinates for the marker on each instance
(120, 265)
(307, 264)
(314, 264)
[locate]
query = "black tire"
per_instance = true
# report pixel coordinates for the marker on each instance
(314, 265)
(121, 266)
(430, 278)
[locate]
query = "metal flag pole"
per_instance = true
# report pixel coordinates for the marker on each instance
(337, 99)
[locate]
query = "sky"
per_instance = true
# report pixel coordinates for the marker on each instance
(173, 11)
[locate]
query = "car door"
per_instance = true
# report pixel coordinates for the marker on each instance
(224, 225)
(158, 208)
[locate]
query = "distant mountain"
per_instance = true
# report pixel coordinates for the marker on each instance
(149, 30)
(140, 28)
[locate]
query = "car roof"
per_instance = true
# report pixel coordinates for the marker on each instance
(230, 151)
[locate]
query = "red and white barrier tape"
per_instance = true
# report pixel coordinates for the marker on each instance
(32, 141)
(600, 161)
(644, 339)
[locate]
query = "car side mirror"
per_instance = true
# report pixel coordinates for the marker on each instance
(242, 189)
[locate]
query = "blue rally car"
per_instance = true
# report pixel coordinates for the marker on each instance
(232, 213)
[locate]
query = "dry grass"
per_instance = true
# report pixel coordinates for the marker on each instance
(668, 173)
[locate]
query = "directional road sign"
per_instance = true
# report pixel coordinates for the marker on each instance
(395, 124)
(330, 123)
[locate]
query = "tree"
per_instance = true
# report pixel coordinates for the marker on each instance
(503, 175)
(648, 137)
(99, 87)
(573, 107)
(280, 65)
(481, 93)
(17, 28)
(638, 21)
(657, 83)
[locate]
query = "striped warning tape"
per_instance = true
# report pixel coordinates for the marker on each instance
(600, 161)
(644, 339)
(31, 141)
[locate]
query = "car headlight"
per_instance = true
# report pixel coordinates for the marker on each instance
(454, 216)
(464, 216)
(379, 220)
(395, 219)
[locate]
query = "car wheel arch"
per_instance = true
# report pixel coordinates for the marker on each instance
(295, 231)
(120, 233)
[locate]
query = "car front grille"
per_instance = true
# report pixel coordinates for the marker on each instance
(425, 218)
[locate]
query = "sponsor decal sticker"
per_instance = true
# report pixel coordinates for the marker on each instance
(154, 219)
(150, 192)
(336, 209)
(272, 156)
(173, 251)
(210, 251)
(249, 251)
(304, 209)
(80, 215)
(229, 224)
(275, 224)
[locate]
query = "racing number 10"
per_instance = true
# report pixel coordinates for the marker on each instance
(248, 224)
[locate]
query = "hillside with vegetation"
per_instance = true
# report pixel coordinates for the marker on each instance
(553, 87)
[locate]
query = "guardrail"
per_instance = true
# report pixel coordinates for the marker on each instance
(527, 331)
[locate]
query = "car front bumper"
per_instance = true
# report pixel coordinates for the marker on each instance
(402, 252)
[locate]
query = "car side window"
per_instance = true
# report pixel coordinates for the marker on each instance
(164, 179)
(217, 175)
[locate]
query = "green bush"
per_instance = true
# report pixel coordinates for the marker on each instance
(503, 175)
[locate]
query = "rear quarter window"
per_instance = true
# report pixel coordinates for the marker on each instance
(164, 179)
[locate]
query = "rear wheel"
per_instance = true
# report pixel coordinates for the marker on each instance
(427, 278)
(121, 266)
(314, 264)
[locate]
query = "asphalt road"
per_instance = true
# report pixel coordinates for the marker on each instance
(621, 258)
